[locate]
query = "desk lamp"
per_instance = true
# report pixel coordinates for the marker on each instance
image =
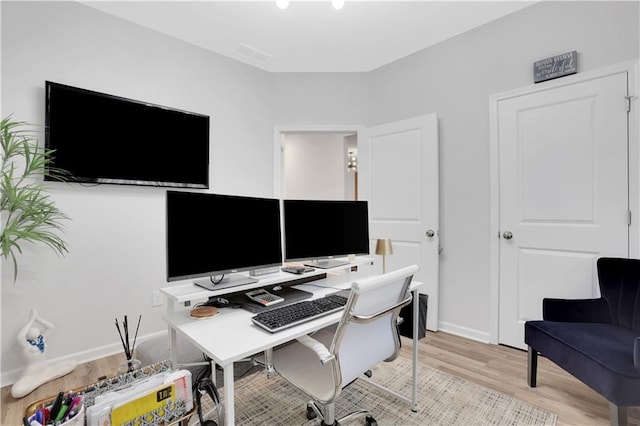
(383, 247)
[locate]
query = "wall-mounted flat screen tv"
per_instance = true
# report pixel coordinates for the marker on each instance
(101, 138)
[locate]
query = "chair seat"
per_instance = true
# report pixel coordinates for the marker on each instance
(597, 354)
(293, 362)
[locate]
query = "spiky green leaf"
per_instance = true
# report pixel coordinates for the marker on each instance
(28, 213)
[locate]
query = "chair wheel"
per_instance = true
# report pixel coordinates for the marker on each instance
(371, 421)
(310, 413)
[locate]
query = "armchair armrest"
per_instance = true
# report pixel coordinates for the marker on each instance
(576, 310)
(323, 353)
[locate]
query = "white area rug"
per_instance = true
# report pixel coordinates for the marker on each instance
(443, 399)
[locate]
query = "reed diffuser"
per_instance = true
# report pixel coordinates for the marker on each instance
(130, 364)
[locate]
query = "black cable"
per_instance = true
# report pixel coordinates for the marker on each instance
(214, 281)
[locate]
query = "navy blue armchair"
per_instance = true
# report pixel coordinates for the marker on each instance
(596, 340)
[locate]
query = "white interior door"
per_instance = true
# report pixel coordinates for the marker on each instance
(563, 194)
(399, 177)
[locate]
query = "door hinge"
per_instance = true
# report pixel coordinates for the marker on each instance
(629, 217)
(628, 98)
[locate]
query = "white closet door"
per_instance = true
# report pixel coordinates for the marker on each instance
(563, 194)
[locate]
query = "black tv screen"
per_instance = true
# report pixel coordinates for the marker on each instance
(318, 230)
(210, 235)
(101, 138)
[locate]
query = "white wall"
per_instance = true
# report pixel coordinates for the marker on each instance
(454, 79)
(320, 99)
(314, 166)
(116, 235)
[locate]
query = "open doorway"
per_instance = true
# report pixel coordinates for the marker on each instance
(317, 164)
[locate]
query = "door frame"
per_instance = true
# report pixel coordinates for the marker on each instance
(279, 130)
(633, 152)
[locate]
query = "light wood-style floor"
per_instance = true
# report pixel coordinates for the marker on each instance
(497, 367)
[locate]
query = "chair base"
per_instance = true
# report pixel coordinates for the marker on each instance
(314, 411)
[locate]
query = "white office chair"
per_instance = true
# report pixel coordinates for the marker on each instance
(367, 334)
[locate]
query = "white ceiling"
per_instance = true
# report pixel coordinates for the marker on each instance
(311, 36)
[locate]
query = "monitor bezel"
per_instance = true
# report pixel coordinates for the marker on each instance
(323, 256)
(226, 271)
(73, 178)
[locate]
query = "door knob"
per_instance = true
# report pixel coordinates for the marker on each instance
(430, 233)
(507, 235)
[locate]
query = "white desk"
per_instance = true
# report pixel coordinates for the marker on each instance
(230, 336)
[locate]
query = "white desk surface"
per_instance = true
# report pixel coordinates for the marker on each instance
(231, 335)
(188, 291)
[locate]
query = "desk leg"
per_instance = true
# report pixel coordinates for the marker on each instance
(173, 347)
(214, 376)
(416, 324)
(229, 413)
(169, 308)
(268, 362)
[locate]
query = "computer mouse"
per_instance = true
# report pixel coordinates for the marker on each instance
(276, 288)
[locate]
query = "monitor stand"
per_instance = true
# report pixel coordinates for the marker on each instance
(226, 282)
(326, 263)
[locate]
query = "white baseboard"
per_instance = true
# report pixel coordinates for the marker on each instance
(10, 377)
(479, 336)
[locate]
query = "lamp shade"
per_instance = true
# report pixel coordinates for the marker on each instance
(383, 246)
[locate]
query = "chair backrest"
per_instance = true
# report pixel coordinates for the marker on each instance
(367, 334)
(619, 281)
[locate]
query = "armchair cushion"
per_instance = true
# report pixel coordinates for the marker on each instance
(598, 354)
(576, 310)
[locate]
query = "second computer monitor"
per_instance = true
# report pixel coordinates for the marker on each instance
(317, 231)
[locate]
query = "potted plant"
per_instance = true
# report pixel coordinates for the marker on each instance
(27, 212)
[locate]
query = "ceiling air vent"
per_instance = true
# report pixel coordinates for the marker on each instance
(251, 53)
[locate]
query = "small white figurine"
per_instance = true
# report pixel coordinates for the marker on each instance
(32, 340)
